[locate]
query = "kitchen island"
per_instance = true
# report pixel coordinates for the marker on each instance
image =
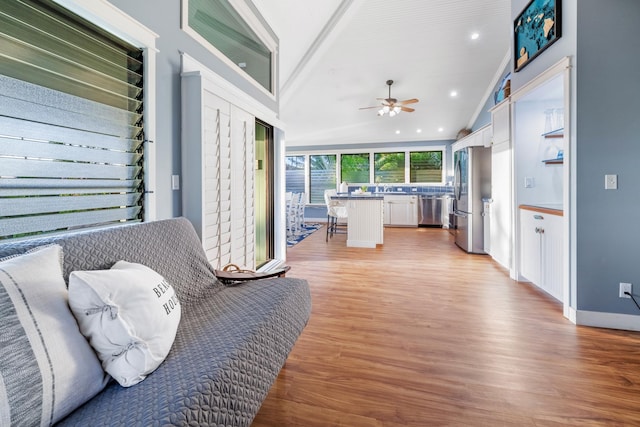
(365, 227)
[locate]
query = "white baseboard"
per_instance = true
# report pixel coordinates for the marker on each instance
(627, 322)
(570, 313)
(361, 244)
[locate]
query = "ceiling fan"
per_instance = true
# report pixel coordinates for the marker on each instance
(392, 106)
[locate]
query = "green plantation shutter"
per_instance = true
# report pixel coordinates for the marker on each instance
(71, 125)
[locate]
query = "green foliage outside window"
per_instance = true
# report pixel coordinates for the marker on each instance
(425, 166)
(389, 167)
(354, 168)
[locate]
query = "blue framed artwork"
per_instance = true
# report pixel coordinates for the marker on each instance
(536, 28)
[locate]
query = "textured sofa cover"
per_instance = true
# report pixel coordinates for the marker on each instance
(231, 342)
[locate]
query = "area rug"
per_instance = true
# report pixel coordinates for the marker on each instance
(307, 230)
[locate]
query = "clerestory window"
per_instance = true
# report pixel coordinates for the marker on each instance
(219, 26)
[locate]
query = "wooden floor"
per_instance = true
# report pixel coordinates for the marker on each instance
(418, 333)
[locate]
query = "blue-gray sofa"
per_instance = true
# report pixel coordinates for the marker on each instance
(231, 342)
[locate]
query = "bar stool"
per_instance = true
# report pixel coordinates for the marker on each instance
(336, 214)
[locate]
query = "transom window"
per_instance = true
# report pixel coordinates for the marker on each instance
(217, 24)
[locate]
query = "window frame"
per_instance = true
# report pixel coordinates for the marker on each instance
(252, 20)
(442, 165)
(111, 19)
(404, 149)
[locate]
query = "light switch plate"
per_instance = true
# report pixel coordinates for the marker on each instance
(529, 182)
(175, 182)
(611, 182)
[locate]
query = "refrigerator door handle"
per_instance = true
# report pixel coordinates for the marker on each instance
(460, 214)
(457, 183)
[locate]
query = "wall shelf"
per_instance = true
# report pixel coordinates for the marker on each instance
(558, 133)
(553, 161)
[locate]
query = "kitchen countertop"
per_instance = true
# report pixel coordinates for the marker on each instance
(342, 196)
(377, 195)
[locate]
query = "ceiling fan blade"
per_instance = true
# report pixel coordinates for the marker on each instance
(368, 108)
(407, 109)
(409, 101)
(386, 101)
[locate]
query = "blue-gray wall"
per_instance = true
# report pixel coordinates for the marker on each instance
(163, 17)
(608, 130)
(484, 118)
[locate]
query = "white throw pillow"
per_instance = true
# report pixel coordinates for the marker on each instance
(130, 314)
(47, 368)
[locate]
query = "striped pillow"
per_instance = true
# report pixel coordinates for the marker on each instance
(47, 368)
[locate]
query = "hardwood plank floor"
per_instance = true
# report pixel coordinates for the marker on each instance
(418, 333)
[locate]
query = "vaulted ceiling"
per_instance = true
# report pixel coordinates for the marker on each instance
(336, 55)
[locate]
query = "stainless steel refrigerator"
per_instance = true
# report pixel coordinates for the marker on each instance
(472, 183)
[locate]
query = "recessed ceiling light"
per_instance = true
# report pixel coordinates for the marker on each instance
(475, 36)
(397, 132)
(419, 130)
(454, 93)
(440, 129)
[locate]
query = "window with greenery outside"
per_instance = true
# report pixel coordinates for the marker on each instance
(354, 168)
(389, 167)
(425, 166)
(322, 171)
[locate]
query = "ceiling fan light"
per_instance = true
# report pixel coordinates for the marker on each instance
(385, 108)
(392, 113)
(397, 109)
(381, 112)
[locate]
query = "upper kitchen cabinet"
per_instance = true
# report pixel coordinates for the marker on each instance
(501, 123)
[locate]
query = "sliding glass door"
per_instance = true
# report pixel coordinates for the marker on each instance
(264, 193)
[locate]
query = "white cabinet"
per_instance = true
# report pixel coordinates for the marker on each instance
(501, 122)
(531, 225)
(401, 210)
(364, 222)
(541, 254)
(479, 138)
(502, 208)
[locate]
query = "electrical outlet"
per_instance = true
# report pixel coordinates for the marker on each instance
(624, 287)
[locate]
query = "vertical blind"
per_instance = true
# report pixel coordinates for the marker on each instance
(71, 124)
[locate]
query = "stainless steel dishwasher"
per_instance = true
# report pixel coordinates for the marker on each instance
(430, 210)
